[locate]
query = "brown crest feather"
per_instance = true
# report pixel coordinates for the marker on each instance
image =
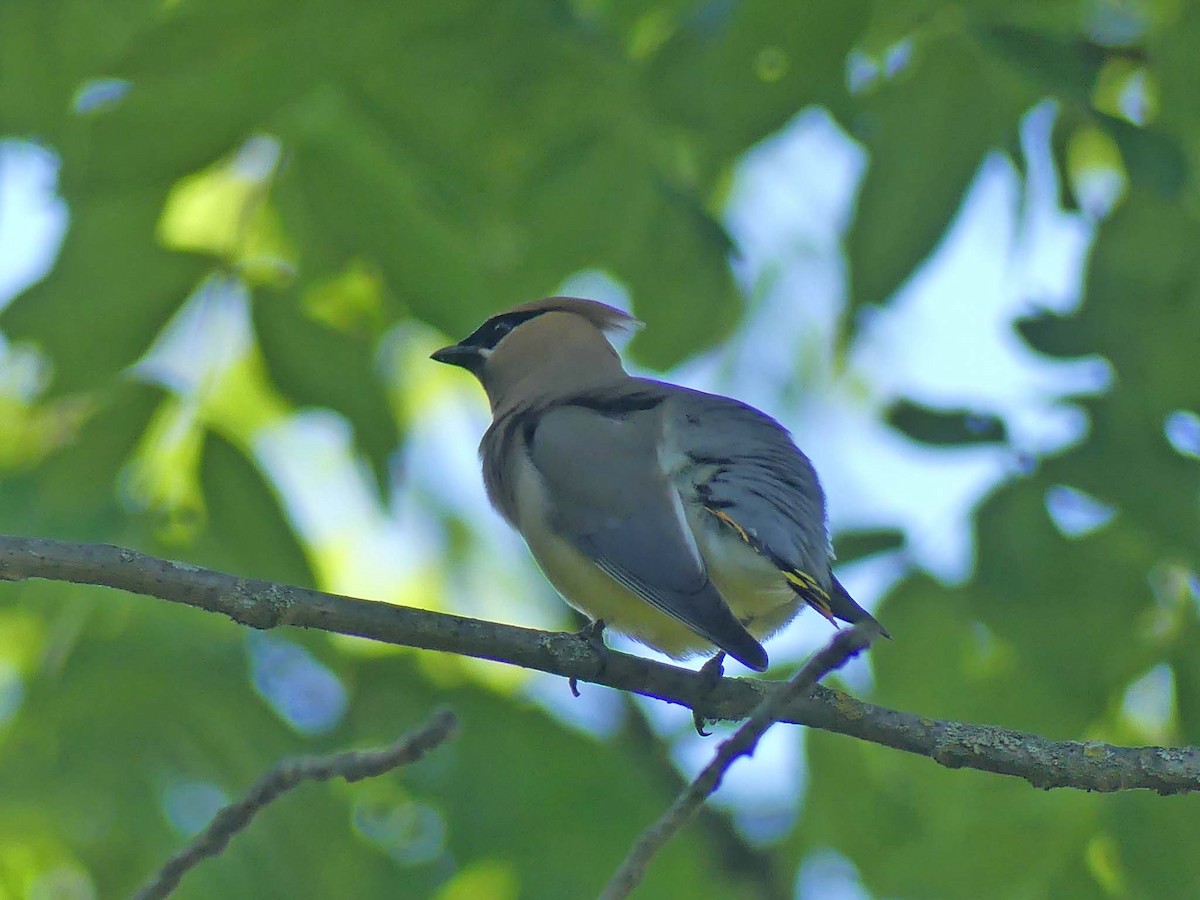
(607, 318)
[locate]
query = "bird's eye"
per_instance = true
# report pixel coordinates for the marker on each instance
(493, 331)
(497, 330)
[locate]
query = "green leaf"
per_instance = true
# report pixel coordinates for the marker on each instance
(731, 74)
(1153, 160)
(1139, 826)
(1087, 593)
(939, 426)
(48, 51)
(684, 293)
(1172, 57)
(1054, 334)
(854, 545)
(927, 131)
(224, 67)
(1185, 664)
(1143, 313)
(939, 833)
(317, 365)
(1065, 126)
(1067, 67)
(375, 201)
(108, 295)
(247, 531)
(74, 492)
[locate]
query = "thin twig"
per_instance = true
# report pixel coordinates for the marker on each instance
(834, 655)
(353, 765)
(755, 871)
(1089, 766)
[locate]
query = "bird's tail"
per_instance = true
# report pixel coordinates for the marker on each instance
(846, 608)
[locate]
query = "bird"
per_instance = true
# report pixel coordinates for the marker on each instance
(688, 521)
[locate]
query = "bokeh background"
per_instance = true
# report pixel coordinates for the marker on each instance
(952, 245)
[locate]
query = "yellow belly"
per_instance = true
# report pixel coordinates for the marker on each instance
(585, 587)
(754, 589)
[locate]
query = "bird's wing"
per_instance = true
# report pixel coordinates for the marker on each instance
(748, 473)
(610, 499)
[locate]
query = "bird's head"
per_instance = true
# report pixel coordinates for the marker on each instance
(540, 349)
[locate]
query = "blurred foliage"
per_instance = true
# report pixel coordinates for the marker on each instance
(357, 166)
(934, 426)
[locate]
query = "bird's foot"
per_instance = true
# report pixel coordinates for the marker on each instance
(593, 634)
(710, 676)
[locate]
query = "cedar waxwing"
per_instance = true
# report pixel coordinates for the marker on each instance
(682, 519)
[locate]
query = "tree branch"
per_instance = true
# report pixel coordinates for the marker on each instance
(353, 765)
(1091, 765)
(834, 655)
(752, 871)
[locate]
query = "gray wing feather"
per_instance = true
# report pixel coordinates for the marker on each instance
(611, 500)
(743, 461)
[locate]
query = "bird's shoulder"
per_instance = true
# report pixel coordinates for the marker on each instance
(743, 468)
(715, 429)
(575, 441)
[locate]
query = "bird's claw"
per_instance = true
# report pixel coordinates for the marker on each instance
(710, 676)
(593, 634)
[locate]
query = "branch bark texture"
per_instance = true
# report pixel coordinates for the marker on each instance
(1090, 765)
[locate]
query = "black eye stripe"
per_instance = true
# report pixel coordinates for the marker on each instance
(489, 334)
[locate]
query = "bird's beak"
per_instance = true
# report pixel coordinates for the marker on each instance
(458, 355)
